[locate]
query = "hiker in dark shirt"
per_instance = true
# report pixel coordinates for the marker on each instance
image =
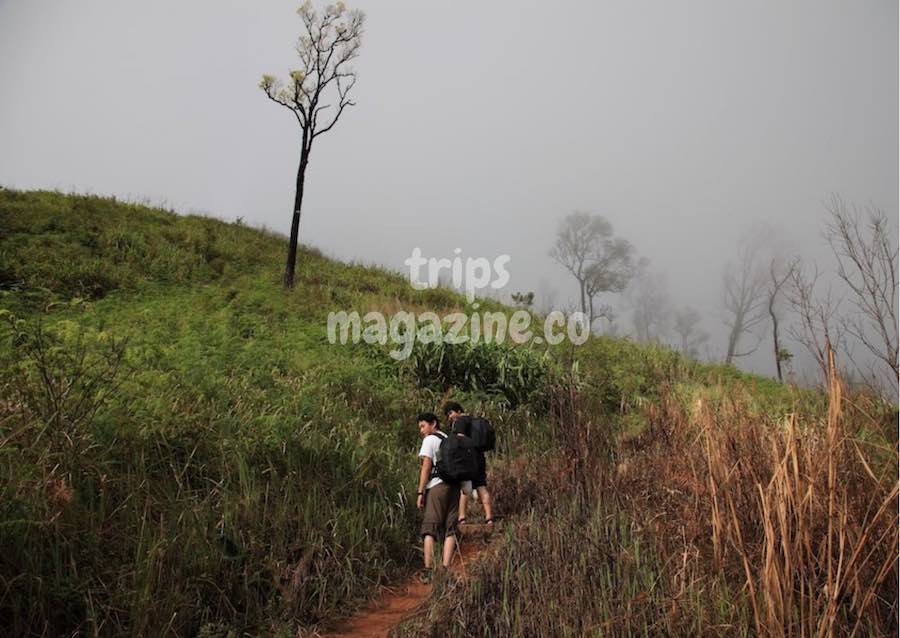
(457, 416)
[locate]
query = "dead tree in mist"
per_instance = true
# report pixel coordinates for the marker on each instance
(778, 277)
(744, 296)
(819, 326)
(329, 42)
(866, 251)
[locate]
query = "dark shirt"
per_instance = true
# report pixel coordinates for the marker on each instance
(463, 425)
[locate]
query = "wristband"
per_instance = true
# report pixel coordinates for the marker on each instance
(420, 493)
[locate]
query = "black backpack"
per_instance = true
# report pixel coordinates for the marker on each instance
(482, 434)
(457, 459)
(479, 429)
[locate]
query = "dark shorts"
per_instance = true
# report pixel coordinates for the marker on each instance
(481, 479)
(441, 511)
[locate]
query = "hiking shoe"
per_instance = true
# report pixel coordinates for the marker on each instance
(426, 575)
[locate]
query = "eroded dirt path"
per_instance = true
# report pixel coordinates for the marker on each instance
(396, 603)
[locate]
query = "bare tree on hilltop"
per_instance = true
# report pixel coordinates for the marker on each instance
(319, 88)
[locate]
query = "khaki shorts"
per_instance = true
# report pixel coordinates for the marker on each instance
(441, 511)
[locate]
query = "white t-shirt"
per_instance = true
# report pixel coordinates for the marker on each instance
(430, 445)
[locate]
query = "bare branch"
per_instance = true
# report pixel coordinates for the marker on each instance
(344, 103)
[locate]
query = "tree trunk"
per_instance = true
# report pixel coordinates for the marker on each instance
(591, 313)
(775, 340)
(583, 304)
(290, 266)
(733, 337)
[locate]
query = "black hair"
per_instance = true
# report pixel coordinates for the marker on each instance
(452, 406)
(429, 417)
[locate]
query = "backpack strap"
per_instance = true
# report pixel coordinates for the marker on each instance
(434, 472)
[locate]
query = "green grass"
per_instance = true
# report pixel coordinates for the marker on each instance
(237, 468)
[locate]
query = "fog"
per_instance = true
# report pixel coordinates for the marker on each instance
(477, 125)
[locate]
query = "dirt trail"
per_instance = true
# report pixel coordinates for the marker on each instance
(396, 603)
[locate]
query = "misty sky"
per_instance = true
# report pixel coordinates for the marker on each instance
(479, 124)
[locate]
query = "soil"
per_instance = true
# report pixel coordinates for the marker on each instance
(395, 604)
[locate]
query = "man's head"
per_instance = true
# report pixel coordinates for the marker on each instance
(428, 424)
(452, 410)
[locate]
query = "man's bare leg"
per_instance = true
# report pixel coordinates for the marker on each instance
(485, 498)
(449, 548)
(428, 546)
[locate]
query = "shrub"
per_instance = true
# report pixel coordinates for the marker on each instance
(518, 374)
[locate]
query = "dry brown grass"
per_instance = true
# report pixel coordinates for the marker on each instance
(801, 512)
(718, 517)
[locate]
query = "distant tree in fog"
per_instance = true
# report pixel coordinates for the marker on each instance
(686, 323)
(600, 263)
(651, 307)
(610, 273)
(545, 300)
(744, 294)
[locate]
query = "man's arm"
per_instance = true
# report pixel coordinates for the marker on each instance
(424, 475)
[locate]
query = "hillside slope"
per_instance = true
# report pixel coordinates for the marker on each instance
(182, 444)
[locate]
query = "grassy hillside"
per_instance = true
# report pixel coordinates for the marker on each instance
(181, 445)
(183, 452)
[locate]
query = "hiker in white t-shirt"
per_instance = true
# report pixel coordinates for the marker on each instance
(438, 500)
